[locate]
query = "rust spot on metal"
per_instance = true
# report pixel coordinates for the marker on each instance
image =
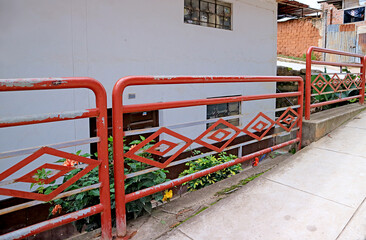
(56, 83)
(347, 28)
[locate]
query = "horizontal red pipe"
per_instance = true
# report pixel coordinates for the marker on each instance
(162, 80)
(198, 102)
(337, 64)
(158, 188)
(52, 223)
(25, 84)
(333, 101)
(326, 50)
(88, 113)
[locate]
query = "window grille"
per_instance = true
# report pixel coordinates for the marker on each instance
(209, 13)
(224, 110)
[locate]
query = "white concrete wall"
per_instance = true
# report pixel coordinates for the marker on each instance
(110, 39)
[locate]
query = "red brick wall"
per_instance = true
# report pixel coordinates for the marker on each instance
(335, 16)
(294, 37)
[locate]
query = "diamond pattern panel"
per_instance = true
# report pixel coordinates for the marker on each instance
(335, 82)
(155, 149)
(132, 152)
(29, 177)
(319, 83)
(357, 81)
(347, 82)
(289, 117)
(200, 138)
(259, 124)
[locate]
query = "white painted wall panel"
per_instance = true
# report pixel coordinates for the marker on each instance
(110, 39)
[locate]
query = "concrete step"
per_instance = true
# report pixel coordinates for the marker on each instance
(322, 123)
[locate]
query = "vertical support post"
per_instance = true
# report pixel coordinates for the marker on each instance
(308, 83)
(300, 111)
(119, 177)
(102, 133)
(240, 152)
(362, 90)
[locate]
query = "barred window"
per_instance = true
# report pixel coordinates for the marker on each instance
(209, 13)
(354, 15)
(224, 110)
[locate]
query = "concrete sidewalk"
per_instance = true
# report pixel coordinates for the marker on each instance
(318, 193)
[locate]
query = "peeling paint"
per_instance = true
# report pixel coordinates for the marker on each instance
(164, 77)
(42, 117)
(30, 82)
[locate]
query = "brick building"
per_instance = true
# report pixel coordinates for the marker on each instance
(296, 30)
(341, 26)
(295, 36)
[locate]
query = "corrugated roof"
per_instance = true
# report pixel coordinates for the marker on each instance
(292, 8)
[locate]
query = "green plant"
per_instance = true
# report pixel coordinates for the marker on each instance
(292, 150)
(240, 184)
(133, 184)
(207, 162)
(89, 198)
(40, 176)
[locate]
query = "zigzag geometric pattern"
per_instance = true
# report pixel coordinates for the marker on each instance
(257, 128)
(58, 169)
(350, 81)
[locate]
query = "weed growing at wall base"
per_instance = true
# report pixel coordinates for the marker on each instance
(207, 162)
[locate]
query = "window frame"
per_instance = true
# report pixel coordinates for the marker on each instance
(229, 121)
(225, 15)
(344, 14)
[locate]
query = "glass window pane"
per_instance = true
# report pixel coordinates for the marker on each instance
(211, 18)
(195, 4)
(187, 3)
(204, 17)
(220, 10)
(195, 15)
(233, 108)
(204, 6)
(227, 11)
(219, 20)
(211, 8)
(187, 15)
(227, 21)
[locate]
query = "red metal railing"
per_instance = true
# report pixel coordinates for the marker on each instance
(320, 85)
(258, 129)
(100, 112)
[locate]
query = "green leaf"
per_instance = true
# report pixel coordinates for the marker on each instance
(48, 191)
(61, 160)
(134, 142)
(94, 192)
